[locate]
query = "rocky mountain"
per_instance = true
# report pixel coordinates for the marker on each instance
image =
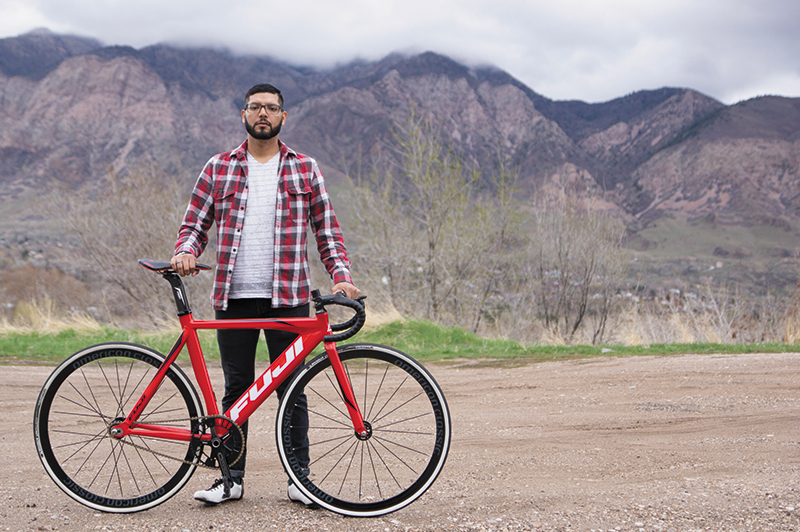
(741, 161)
(37, 53)
(72, 109)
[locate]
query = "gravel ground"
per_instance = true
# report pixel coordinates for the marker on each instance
(678, 443)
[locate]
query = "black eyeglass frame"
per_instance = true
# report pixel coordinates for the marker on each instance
(256, 108)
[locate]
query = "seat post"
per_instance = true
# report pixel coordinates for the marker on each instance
(178, 292)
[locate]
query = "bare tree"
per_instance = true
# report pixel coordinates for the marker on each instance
(417, 225)
(122, 219)
(500, 275)
(439, 196)
(580, 263)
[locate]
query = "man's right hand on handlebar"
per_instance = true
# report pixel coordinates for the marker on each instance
(185, 264)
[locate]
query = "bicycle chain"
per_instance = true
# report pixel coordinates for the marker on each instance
(200, 419)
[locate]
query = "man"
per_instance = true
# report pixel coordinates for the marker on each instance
(262, 196)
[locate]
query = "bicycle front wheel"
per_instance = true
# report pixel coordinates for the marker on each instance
(87, 394)
(408, 436)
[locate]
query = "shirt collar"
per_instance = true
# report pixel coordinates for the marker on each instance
(241, 152)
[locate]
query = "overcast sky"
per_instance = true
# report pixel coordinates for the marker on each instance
(591, 50)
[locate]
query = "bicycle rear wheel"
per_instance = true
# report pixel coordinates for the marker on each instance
(87, 394)
(408, 432)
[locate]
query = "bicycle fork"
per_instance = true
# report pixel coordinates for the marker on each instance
(362, 427)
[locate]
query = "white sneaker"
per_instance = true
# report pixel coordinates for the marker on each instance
(296, 495)
(216, 493)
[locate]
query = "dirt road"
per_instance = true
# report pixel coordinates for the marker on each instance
(625, 444)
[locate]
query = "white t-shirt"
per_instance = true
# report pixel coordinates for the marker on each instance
(253, 268)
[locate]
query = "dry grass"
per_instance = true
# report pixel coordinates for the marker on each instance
(672, 318)
(715, 317)
(43, 316)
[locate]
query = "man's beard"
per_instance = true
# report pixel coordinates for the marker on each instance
(264, 134)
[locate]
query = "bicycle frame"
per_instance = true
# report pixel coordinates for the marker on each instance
(311, 331)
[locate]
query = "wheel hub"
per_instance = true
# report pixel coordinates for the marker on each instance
(367, 434)
(113, 430)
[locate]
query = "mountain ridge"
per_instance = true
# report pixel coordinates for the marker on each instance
(647, 153)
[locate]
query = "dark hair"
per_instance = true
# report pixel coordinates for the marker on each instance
(263, 87)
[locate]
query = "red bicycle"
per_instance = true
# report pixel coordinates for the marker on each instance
(120, 428)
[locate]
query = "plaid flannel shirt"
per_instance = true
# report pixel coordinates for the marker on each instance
(220, 195)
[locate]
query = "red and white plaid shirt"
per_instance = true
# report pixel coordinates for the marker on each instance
(220, 195)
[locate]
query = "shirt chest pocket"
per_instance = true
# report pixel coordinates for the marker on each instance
(224, 201)
(297, 202)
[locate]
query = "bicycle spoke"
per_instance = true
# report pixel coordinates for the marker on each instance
(385, 465)
(405, 420)
(88, 406)
(333, 467)
(344, 440)
(384, 441)
(330, 440)
(347, 471)
(115, 470)
(91, 391)
(119, 386)
(366, 387)
(375, 471)
(146, 467)
(385, 404)
(324, 416)
(99, 469)
(398, 407)
(83, 444)
(156, 410)
(77, 414)
(130, 469)
(361, 473)
(73, 433)
(335, 385)
(155, 456)
(411, 432)
(340, 426)
(402, 461)
(117, 400)
(377, 390)
(145, 374)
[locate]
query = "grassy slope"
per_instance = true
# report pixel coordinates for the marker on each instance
(675, 252)
(422, 340)
(679, 236)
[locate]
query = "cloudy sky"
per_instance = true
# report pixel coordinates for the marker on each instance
(591, 50)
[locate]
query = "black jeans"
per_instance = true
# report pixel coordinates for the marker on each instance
(237, 349)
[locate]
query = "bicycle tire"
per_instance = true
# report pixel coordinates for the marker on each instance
(78, 403)
(408, 444)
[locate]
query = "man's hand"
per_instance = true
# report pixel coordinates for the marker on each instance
(349, 290)
(185, 264)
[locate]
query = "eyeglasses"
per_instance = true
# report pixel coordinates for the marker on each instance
(256, 108)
